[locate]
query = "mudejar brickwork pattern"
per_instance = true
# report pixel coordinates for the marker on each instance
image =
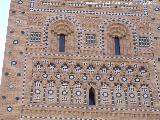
(82, 60)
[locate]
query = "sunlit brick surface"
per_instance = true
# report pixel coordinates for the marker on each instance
(82, 60)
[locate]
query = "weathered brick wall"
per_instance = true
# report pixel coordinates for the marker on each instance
(39, 82)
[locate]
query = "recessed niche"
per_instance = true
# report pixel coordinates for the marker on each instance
(21, 53)
(18, 74)
(17, 98)
(153, 18)
(22, 32)
(23, 12)
(6, 73)
(3, 97)
(13, 11)
(11, 31)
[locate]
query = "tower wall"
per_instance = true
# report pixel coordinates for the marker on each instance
(62, 62)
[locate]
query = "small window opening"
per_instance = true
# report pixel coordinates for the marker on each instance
(117, 45)
(62, 43)
(92, 96)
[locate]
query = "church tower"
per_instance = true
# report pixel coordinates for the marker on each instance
(82, 60)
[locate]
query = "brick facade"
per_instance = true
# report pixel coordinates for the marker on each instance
(73, 60)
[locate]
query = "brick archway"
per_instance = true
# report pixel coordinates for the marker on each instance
(132, 32)
(76, 24)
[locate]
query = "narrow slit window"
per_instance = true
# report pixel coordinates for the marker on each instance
(117, 45)
(62, 43)
(92, 96)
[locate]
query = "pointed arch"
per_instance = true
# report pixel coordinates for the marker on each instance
(92, 97)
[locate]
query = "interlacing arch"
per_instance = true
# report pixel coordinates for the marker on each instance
(119, 96)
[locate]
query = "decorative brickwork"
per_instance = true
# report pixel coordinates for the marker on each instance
(73, 60)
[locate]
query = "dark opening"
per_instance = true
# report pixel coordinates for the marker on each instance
(62, 43)
(117, 45)
(92, 96)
